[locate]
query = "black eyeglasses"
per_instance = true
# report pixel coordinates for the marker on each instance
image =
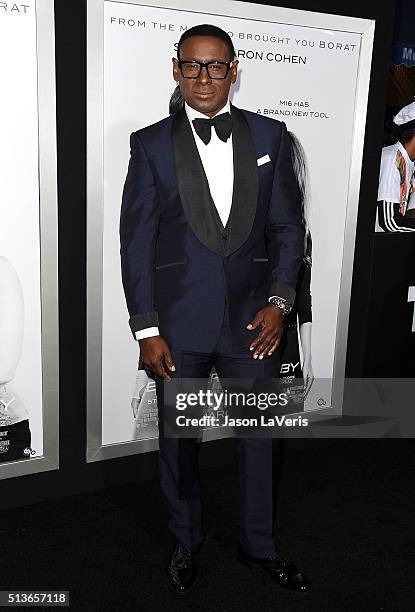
(215, 70)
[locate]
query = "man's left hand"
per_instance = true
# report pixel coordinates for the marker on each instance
(270, 319)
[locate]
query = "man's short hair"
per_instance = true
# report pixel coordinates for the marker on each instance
(407, 135)
(206, 29)
(404, 133)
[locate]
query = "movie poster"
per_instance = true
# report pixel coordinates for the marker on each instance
(286, 72)
(21, 422)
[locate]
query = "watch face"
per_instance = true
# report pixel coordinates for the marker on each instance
(281, 303)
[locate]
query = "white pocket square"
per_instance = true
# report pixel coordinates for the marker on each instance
(263, 160)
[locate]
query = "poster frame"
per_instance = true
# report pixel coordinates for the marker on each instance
(96, 451)
(48, 231)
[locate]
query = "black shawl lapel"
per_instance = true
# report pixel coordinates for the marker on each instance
(245, 182)
(194, 188)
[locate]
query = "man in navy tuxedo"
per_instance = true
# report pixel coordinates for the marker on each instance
(212, 239)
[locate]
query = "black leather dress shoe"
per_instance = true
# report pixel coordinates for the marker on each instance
(183, 569)
(281, 571)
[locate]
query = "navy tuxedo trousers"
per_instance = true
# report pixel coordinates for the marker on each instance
(178, 457)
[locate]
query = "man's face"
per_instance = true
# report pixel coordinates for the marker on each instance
(204, 94)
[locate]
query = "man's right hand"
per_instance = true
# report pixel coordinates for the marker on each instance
(156, 357)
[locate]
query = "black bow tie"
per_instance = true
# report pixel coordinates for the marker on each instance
(222, 123)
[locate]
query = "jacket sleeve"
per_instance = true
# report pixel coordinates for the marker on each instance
(139, 218)
(285, 227)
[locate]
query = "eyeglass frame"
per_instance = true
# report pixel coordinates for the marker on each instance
(202, 65)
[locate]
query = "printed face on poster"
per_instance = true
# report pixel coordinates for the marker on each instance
(288, 62)
(22, 367)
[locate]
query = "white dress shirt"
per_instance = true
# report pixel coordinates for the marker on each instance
(217, 160)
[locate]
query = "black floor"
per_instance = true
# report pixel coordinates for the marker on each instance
(345, 517)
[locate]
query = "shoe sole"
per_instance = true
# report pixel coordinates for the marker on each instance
(254, 566)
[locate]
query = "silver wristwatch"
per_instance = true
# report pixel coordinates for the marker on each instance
(285, 306)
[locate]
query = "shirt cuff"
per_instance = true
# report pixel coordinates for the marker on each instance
(143, 320)
(148, 332)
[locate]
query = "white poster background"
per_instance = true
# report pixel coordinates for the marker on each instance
(304, 76)
(19, 193)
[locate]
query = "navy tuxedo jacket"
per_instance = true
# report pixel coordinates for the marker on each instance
(181, 269)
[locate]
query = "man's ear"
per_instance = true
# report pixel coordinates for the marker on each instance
(234, 71)
(175, 69)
